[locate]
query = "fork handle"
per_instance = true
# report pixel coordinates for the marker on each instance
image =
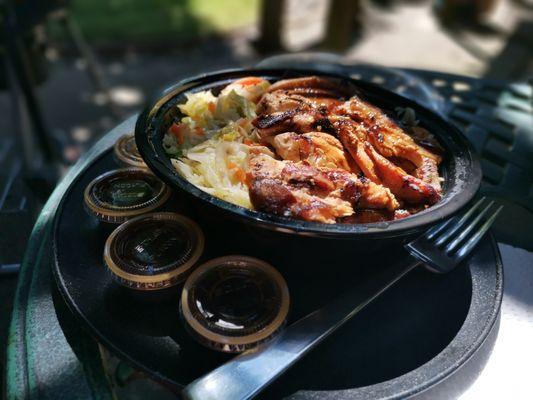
(246, 375)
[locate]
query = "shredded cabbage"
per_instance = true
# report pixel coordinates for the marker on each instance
(197, 109)
(233, 106)
(218, 167)
(216, 160)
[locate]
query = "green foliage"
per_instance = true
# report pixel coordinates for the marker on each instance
(113, 20)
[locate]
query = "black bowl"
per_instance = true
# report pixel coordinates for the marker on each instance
(461, 169)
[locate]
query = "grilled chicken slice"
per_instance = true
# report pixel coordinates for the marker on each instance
(360, 192)
(275, 190)
(314, 86)
(393, 145)
(353, 136)
(390, 140)
(282, 111)
(319, 149)
(311, 193)
(398, 142)
(296, 120)
(428, 171)
(281, 101)
(404, 186)
(381, 170)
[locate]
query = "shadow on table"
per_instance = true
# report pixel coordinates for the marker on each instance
(386, 340)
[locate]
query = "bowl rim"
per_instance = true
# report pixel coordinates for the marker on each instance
(153, 154)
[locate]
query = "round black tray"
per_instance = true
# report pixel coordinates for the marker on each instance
(415, 336)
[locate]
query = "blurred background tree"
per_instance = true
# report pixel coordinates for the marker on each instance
(176, 20)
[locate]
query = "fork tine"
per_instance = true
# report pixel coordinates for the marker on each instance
(431, 233)
(466, 231)
(460, 223)
(472, 242)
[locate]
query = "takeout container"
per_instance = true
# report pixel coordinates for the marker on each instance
(460, 169)
(234, 303)
(154, 253)
(120, 194)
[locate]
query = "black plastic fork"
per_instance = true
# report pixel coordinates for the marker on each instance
(444, 246)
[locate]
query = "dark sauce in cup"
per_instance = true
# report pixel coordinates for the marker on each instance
(127, 153)
(153, 251)
(125, 193)
(235, 303)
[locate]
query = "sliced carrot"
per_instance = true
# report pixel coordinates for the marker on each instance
(212, 107)
(248, 142)
(199, 131)
(177, 131)
(252, 80)
(231, 165)
(240, 175)
(175, 128)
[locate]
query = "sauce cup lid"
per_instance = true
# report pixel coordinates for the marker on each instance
(127, 153)
(153, 251)
(123, 193)
(234, 303)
